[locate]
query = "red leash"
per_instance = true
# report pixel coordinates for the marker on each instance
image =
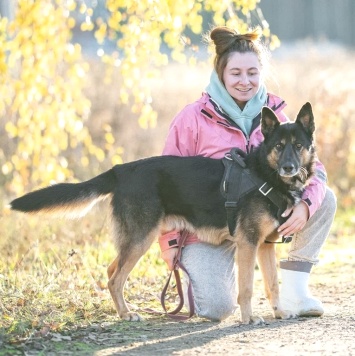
(177, 265)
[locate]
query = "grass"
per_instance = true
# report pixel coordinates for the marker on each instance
(53, 273)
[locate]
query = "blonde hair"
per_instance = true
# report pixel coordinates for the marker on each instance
(227, 41)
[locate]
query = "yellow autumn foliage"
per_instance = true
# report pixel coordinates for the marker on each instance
(42, 82)
(43, 75)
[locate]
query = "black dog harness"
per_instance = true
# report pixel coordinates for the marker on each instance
(238, 180)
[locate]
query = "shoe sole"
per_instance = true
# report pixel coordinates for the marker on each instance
(311, 313)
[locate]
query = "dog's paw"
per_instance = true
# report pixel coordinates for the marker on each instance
(131, 316)
(284, 314)
(253, 320)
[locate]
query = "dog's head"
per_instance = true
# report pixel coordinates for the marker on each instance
(290, 146)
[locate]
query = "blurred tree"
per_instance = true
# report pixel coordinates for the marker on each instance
(42, 77)
(43, 73)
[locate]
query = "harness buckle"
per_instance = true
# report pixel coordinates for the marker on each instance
(267, 192)
(286, 239)
(228, 156)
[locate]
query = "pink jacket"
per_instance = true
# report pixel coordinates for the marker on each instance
(200, 130)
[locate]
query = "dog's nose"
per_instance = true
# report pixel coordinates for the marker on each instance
(288, 168)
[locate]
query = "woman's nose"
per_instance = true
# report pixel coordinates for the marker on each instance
(244, 79)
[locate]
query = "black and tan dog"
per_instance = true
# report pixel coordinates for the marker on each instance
(166, 193)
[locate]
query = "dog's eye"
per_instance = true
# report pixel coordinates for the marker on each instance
(279, 146)
(298, 146)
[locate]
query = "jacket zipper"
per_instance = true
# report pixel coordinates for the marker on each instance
(247, 137)
(248, 142)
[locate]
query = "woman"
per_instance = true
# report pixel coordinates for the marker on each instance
(226, 116)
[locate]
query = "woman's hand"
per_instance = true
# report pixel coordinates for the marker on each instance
(296, 221)
(169, 257)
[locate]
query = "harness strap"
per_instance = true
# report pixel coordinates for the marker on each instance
(274, 195)
(235, 184)
(238, 180)
(277, 199)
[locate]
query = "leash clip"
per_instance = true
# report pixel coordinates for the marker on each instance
(267, 192)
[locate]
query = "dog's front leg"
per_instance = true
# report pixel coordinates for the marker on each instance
(267, 263)
(246, 266)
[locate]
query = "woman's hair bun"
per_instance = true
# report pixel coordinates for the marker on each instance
(225, 38)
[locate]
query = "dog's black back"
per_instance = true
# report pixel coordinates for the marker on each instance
(155, 187)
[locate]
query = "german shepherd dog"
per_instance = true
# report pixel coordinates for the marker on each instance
(166, 193)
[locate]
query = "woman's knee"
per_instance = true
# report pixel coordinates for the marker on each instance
(328, 207)
(211, 270)
(217, 308)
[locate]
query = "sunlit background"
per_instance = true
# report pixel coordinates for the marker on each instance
(88, 84)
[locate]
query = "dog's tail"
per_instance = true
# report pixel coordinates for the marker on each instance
(67, 199)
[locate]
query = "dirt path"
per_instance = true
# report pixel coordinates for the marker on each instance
(333, 334)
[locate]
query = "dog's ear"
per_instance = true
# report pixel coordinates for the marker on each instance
(269, 121)
(306, 119)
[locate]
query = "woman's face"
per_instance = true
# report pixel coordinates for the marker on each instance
(242, 76)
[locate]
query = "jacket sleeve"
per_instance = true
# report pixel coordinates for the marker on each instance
(282, 116)
(315, 192)
(182, 135)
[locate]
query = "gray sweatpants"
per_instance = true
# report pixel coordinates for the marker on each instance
(212, 269)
